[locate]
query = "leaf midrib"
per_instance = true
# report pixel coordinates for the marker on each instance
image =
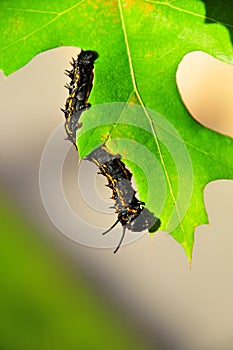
(148, 117)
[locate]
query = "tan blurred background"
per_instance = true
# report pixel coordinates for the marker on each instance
(149, 282)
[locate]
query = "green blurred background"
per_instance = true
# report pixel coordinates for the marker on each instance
(47, 304)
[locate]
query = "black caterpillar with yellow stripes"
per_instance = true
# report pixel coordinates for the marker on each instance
(131, 212)
(81, 76)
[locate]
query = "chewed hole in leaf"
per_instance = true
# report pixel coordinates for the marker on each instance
(205, 85)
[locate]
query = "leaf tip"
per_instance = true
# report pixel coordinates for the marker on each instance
(190, 264)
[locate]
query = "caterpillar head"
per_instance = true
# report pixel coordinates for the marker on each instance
(136, 221)
(87, 57)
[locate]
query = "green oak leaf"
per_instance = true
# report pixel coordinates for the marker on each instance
(140, 45)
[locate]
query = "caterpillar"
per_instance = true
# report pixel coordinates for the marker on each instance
(131, 212)
(81, 76)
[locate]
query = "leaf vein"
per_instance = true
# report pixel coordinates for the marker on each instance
(169, 4)
(28, 10)
(25, 37)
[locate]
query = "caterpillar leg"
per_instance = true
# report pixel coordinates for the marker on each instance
(121, 240)
(115, 223)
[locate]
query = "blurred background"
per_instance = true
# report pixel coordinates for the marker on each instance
(57, 294)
